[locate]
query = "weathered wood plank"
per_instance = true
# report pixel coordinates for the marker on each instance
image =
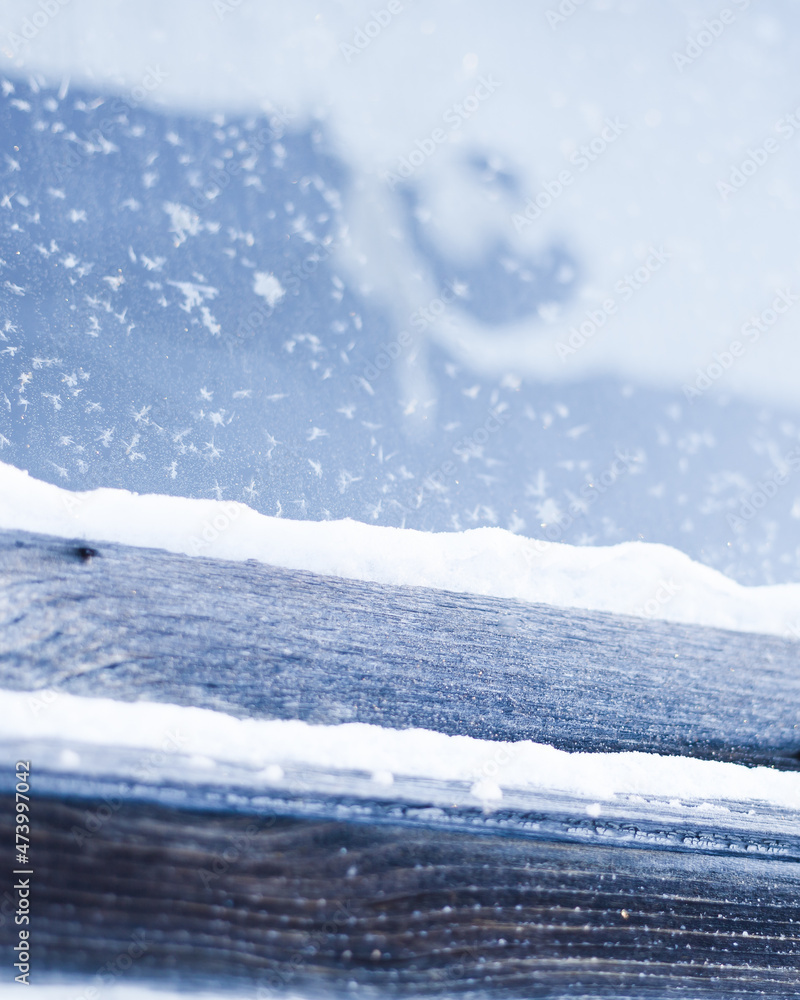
(254, 640)
(276, 904)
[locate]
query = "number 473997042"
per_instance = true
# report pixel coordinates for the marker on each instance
(23, 810)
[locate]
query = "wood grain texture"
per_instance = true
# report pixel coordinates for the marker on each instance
(274, 905)
(320, 885)
(253, 640)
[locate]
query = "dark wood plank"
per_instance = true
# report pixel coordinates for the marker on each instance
(279, 904)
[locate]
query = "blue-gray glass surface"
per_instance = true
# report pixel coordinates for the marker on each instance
(176, 316)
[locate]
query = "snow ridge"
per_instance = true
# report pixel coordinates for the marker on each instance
(210, 739)
(634, 578)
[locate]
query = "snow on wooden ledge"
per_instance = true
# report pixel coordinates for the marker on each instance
(634, 578)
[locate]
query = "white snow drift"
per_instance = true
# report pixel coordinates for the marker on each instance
(634, 578)
(213, 738)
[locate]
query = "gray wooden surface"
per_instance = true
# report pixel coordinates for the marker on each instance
(255, 640)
